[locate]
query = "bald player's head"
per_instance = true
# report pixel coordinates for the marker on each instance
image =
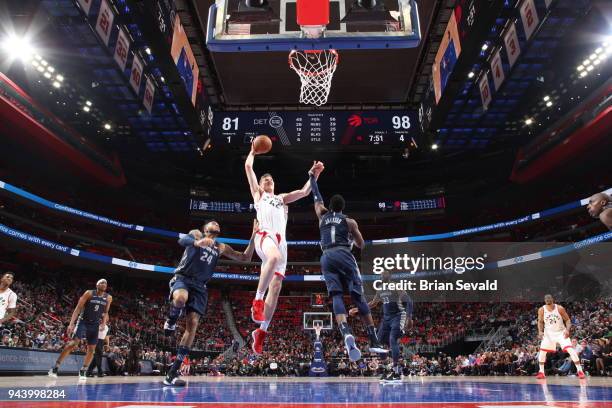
(597, 204)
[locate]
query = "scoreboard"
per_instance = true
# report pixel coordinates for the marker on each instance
(311, 128)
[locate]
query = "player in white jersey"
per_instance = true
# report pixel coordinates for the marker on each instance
(8, 298)
(270, 244)
(554, 326)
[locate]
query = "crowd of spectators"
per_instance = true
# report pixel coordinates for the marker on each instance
(45, 305)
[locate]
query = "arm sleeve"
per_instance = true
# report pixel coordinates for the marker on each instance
(316, 194)
(186, 240)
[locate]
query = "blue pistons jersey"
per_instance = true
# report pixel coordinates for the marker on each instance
(197, 263)
(334, 231)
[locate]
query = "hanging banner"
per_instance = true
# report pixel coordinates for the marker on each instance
(149, 95)
(497, 69)
(104, 25)
(529, 15)
(136, 74)
(485, 91)
(121, 49)
(85, 5)
(513, 48)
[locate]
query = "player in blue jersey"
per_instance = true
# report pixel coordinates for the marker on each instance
(339, 267)
(92, 313)
(188, 286)
(397, 319)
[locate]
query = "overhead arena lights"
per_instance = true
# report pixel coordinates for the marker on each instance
(597, 57)
(18, 47)
(471, 74)
(434, 146)
(528, 121)
(107, 126)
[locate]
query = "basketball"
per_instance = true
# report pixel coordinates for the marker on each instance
(262, 144)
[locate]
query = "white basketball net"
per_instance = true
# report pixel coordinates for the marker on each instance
(316, 70)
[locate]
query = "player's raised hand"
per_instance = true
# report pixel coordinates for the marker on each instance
(353, 312)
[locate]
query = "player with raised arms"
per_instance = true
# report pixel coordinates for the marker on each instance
(188, 286)
(92, 312)
(339, 266)
(397, 319)
(270, 242)
(554, 326)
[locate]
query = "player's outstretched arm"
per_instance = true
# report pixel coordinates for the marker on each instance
(190, 239)
(77, 310)
(316, 194)
(354, 230)
(541, 322)
(566, 320)
(251, 177)
(295, 195)
(245, 256)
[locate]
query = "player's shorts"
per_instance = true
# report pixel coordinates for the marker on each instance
(340, 271)
(265, 237)
(390, 327)
(198, 293)
(551, 339)
(89, 331)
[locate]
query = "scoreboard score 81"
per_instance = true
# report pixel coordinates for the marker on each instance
(311, 128)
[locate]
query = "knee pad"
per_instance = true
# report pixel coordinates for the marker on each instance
(339, 307)
(360, 302)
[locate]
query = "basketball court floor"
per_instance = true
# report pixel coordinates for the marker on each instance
(448, 392)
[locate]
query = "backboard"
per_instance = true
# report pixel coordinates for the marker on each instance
(233, 26)
(324, 319)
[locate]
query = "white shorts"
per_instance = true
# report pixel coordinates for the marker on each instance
(267, 238)
(551, 339)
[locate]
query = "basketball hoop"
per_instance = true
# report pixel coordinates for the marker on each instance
(316, 70)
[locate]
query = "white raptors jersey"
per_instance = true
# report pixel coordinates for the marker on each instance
(553, 322)
(272, 214)
(8, 300)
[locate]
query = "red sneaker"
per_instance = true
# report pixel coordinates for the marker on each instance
(257, 311)
(581, 375)
(259, 336)
(540, 376)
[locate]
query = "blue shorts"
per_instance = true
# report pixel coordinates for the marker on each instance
(390, 328)
(340, 271)
(89, 331)
(198, 294)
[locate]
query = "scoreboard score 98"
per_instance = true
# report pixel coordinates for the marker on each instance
(324, 128)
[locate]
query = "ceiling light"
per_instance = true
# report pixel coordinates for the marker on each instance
(597, 61)
(86, 108)
(485, 46)
(471, 75)
(528, 121)
(583, 74)
(60, 78)
(18, 47)
(590, 68)
(47, 75)
(44, 63)
(546, 98)
(148, 51)
(88, 103)
(549, 104)
(434, 146)
(598, 50)
(40, 69)
(50, 69)
(56, 84)
(580, 67)
(107, 126)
